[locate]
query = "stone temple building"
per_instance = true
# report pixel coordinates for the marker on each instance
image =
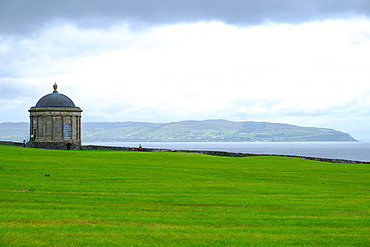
(55, 123)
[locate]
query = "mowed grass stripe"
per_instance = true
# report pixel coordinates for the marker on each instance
(112, 198)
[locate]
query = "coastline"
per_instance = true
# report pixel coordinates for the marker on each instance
(207, 152)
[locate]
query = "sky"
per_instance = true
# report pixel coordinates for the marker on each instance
(301, 62)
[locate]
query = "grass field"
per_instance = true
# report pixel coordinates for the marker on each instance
(112, 198)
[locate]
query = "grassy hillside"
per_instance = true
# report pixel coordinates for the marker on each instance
(208, 130)
(185, 131)
(112, 198)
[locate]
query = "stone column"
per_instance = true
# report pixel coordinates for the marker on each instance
(44, 128)
(53, 125)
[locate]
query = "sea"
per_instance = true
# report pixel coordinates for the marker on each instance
(356, 151)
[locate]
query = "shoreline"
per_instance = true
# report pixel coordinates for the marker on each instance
(216, 153)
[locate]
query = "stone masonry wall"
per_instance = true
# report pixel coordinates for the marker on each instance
(221, 153)
(21, 144)
(218, 153)
(55, 145)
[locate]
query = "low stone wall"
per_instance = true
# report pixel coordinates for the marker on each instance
(222, 153)
(91, 147)
(217, 153)
(21, 144)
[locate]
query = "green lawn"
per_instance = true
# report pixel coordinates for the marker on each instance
(113, 198)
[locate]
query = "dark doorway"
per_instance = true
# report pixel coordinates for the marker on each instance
(68, 146)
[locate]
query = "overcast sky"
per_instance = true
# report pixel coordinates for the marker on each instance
(302, 62)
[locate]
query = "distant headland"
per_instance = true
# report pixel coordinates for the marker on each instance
(189, 131)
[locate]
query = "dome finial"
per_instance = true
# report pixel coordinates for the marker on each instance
(55, 86)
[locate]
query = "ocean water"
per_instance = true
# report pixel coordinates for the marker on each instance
(359, 151)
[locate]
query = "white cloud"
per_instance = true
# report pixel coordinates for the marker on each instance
(255, 109)
(274, 72)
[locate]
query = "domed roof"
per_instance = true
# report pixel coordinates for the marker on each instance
(55, 99)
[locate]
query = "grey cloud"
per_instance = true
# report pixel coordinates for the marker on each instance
(24, 16)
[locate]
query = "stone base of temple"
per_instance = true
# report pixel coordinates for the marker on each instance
(67, 145)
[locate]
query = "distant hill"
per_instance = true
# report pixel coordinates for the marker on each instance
(208, 130)
(189, 131)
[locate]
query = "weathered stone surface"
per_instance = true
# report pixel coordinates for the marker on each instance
(55, 123)
(48, 128)
(55, 145)
(21, 144)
